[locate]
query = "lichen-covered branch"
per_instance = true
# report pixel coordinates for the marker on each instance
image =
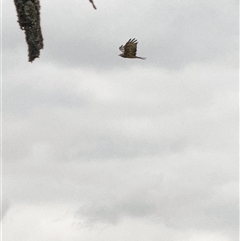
(28, 12)
(29, 20)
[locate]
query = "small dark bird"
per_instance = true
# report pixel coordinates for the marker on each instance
(129, 50)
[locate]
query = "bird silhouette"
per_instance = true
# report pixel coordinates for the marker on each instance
(129, 50)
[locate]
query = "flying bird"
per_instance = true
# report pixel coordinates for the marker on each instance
(129, 50)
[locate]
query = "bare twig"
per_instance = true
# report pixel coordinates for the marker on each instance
(91, 1)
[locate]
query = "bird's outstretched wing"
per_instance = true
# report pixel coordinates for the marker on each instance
(130, 48)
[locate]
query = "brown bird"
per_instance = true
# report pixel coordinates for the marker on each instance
(130, 49)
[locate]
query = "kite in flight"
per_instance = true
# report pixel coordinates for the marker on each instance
(129, 49)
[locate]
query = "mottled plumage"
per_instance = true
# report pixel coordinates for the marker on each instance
(130, 49)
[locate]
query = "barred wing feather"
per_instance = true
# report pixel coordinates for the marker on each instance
(130, 48)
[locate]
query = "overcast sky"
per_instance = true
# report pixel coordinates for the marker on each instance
(100, 148)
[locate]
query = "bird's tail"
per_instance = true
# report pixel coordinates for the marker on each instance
(141, 57)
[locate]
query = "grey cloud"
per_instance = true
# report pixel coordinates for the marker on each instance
(197, 200)
(133, 118)
(115, 212)
(149, 142)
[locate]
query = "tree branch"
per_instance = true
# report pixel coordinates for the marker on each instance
(91, 1)
(29, 20)
(28, 12)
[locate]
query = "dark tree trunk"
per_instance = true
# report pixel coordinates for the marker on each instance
(28, 12)
(29, 20)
